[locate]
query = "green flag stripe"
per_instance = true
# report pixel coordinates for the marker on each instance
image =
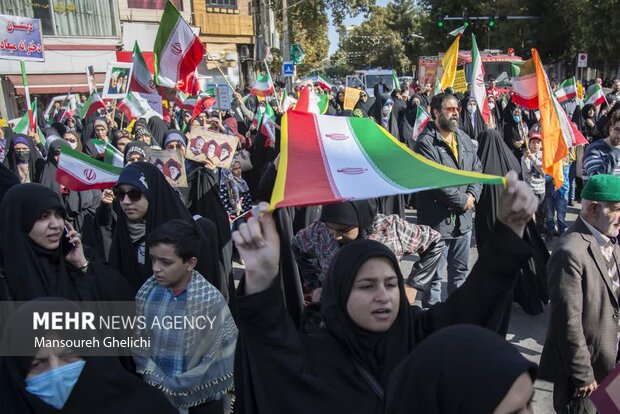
(402, 167)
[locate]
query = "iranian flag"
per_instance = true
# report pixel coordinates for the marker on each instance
(205, 102)
(525, 84)
(566, 90)
(263, 86)
(185, 101)
(132, 107)
(326, 159)
(177, 52)
(458, 31)
(595, 95)
(309, 101)
(421, 119)
(478, 90)
(109, 153)
(93, 104)
(79, 172)
(395, 81)
(268, 125)
(141, 79)
(437, 87)
(26, 123)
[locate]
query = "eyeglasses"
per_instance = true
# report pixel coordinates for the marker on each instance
(133, 194)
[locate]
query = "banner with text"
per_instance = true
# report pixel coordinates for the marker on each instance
(20, 38)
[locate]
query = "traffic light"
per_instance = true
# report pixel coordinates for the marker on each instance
(440, 23)
(491, 21)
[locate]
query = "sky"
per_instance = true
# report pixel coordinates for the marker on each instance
(333, 35)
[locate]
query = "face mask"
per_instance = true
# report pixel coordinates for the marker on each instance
(386, 110)
(54, 386)
(491, 105)
(73, 145)
(261, 109)
(22, 157)
(471, 109)
(516, 118)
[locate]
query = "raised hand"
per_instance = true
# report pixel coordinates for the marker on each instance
(517, 204)
(75, 256)
(258, 243)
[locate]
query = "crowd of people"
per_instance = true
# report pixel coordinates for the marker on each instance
(323, 319)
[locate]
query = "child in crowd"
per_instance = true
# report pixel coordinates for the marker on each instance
(531, 166)
(556, 203)
(191, 363)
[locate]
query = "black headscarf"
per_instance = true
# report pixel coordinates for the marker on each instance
(164, 205)
(470, 129)
(378, 353)
(392, 123)
(512, 131)
(365, 107)
(89, 134)
(8, 179)
(158, 128)
(359, 213)
(103, 386)
(78, 204)
(11, 162)
(497, 159)
(136, 146)
(31, 270)
(459, 369)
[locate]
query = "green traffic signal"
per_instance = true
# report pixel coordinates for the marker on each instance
(440, 24)
(491, 23)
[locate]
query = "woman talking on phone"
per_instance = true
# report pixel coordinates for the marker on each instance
(42, 255)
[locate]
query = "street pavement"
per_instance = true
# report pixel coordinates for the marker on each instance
(526, 332)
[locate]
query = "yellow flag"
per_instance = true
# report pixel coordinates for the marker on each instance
(448, 63)
(351, 96)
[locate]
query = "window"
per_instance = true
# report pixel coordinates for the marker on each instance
(153, 4)
(90, 18)
(224, 4)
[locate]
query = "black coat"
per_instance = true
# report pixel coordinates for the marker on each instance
(442, 209)
(279, 370)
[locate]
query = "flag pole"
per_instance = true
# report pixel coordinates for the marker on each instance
(220, 69)
(274, 85)
(22, 65)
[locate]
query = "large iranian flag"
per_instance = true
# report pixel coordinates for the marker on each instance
(177, 51)
(478, 90)
(79, 172)
(525, 84)
(326, 159)
(595, 95)
(141, 79)
(421, 119)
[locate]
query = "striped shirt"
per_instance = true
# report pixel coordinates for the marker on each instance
(533, 172)
(600, 158)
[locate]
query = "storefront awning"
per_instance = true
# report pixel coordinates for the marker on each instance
(56, 83)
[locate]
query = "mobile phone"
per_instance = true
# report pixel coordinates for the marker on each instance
(66, 244)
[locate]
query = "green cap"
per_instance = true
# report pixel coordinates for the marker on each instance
(602, 187)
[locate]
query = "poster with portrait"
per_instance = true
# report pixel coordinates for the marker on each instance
(117, 80)
(90, 78)
(219, 148)
(172, 166)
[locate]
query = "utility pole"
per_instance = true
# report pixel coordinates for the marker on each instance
(286, 49)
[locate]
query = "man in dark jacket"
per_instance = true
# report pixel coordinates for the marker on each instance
(448, 210)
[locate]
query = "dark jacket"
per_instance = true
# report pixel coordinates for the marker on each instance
(442, 209)
(582, 338)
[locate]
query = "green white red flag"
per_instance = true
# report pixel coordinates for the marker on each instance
(141, 79)
(478, 90)
(79, 172)
(263, 86)
(268, 125)
(567, 90)
(421, 119)
(93, 104)
(310, 101)
(132, 107)
(178, 51)
(109, 153)
(24, 126)
(204, 102)
(458, 31)
(326, 159)
(524, 84)
(595, 95)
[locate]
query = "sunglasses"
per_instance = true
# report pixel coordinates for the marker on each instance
(133, 194)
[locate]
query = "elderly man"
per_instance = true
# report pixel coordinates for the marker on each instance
(582, 341)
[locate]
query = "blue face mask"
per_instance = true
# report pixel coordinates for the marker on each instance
(54, 386)
(517, 118)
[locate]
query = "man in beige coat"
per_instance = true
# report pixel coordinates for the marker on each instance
(582, 341)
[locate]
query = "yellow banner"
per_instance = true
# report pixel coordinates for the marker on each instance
(460, 84)
(580, 91)
(448, 63)
(351, 96)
